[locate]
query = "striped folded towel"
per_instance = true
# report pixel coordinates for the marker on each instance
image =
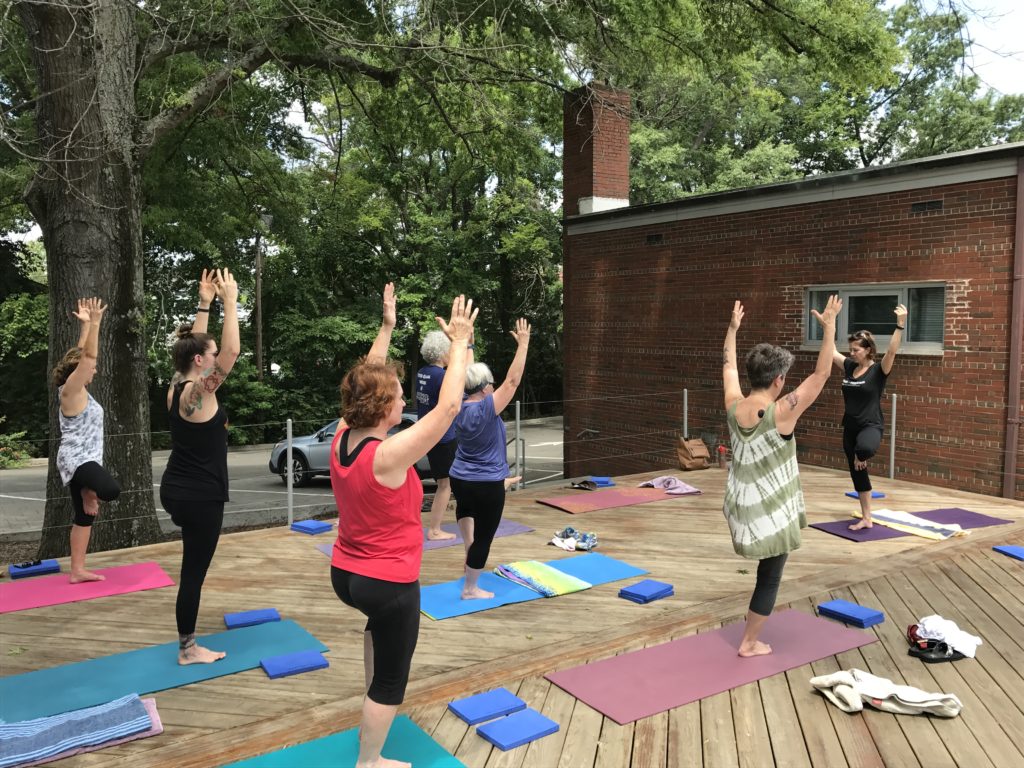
(908, 523)
(541, 577)
(33, 741)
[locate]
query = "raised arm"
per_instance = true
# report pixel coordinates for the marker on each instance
(379, 351)
(838, 359)
(730, 371)
(399, 452)
(897, 337)
(73, 397)
(210, 379)
(503, 395)
(791, 406)
(207, 291)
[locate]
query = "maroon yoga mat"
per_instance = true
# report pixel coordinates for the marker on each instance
(608, 498)
(947, 516)
(643, 683)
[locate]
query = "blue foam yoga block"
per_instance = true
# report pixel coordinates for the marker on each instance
(645, 591)
(515, 730)
(874, 495)
(293, 663)
(1014, 551)
(602, 481)
(251, 618)
(46, 566)
(487, 705)
(640, 601)
(312, 527)
(851, 613)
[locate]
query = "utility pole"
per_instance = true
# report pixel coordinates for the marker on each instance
(266, 220)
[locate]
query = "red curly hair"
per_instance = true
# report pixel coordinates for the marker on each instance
(368, 393)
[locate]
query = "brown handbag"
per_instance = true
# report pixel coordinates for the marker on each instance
(693, 453)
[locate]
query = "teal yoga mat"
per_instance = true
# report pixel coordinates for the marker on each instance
(88, 683)
(406, 741)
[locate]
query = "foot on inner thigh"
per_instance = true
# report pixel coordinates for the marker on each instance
(90, 502)
(756, 648)
(196, 654)
(476, 593)
(83, 575)
(861, 524)
(439, 535)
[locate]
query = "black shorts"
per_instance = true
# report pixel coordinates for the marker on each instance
(441, 457)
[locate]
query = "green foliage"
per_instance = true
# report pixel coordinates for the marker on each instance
(13, 452)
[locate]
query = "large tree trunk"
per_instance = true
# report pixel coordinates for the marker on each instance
(86, 197)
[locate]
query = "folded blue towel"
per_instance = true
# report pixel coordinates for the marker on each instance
(851, 613)
(250, 618)
(1014, 551)
(46, 566)
(293, 663)
(518, 729)
(487, 706)
(42, 738)
(312, 527)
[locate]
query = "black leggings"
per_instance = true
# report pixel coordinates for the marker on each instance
(392, 613)
(200, 523)
(484, 501)
(769, 576)
(860, 443)
(94, 477)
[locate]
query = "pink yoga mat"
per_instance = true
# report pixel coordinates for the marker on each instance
(56, 589)
(643, 683)
(609, 498)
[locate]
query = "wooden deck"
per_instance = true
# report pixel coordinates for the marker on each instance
(778, 721)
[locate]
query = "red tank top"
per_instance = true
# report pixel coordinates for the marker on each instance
(380, 534)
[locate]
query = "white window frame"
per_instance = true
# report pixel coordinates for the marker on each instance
(846, 290)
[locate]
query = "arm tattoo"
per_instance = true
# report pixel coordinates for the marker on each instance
(792, 399)
(725, 356)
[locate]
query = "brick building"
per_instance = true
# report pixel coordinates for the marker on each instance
(648, 292)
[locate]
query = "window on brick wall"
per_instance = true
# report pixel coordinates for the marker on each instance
(870, 308)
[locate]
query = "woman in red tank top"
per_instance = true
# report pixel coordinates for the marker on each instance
(375, 565)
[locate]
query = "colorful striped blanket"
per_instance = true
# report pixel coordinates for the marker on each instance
(908, 523)
(541, 577)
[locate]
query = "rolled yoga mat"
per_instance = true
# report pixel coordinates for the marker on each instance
(55, 590)
(155, 668)
(946, 516)
(635, 685)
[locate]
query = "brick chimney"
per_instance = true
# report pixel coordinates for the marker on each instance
(595, 154)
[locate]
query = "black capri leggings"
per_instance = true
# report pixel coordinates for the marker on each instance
(484, 501)
(392, 613)
(769, 576)
(860, 443)
(94, 477)
(200, 523)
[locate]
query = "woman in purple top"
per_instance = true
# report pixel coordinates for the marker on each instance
(480, 469)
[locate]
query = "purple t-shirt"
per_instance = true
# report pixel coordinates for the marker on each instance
(481, 454)
(428, 387)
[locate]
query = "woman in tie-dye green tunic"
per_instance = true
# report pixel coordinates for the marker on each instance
(764, 503)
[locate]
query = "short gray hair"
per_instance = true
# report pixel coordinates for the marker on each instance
(765, 362)
(435, 347)
(477, 376)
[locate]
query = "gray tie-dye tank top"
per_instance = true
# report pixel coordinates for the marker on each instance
(81, 438)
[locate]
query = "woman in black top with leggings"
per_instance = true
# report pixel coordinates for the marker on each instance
(863, 384)
(194, 486)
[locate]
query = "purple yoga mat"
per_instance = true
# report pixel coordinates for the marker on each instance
(643, 683)
(947, 516)
(505, 528)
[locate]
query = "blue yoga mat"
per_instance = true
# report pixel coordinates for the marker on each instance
(406, 741)
(444, 601)
(88, 683)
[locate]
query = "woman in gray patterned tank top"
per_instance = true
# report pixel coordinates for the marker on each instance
(764, 503)
(80, 456)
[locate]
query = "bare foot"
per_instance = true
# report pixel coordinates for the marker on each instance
(383, 762)
(77, 577)
(757, 648)
(476, 594)
(90, 502)
(861, 524)
(439, 535)
(196, 654)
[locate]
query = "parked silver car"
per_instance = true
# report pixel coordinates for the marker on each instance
(311, 454)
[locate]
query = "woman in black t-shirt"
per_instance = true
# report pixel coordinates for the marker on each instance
(863, 385)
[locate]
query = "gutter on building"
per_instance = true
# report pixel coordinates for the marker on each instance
(1016, 346)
